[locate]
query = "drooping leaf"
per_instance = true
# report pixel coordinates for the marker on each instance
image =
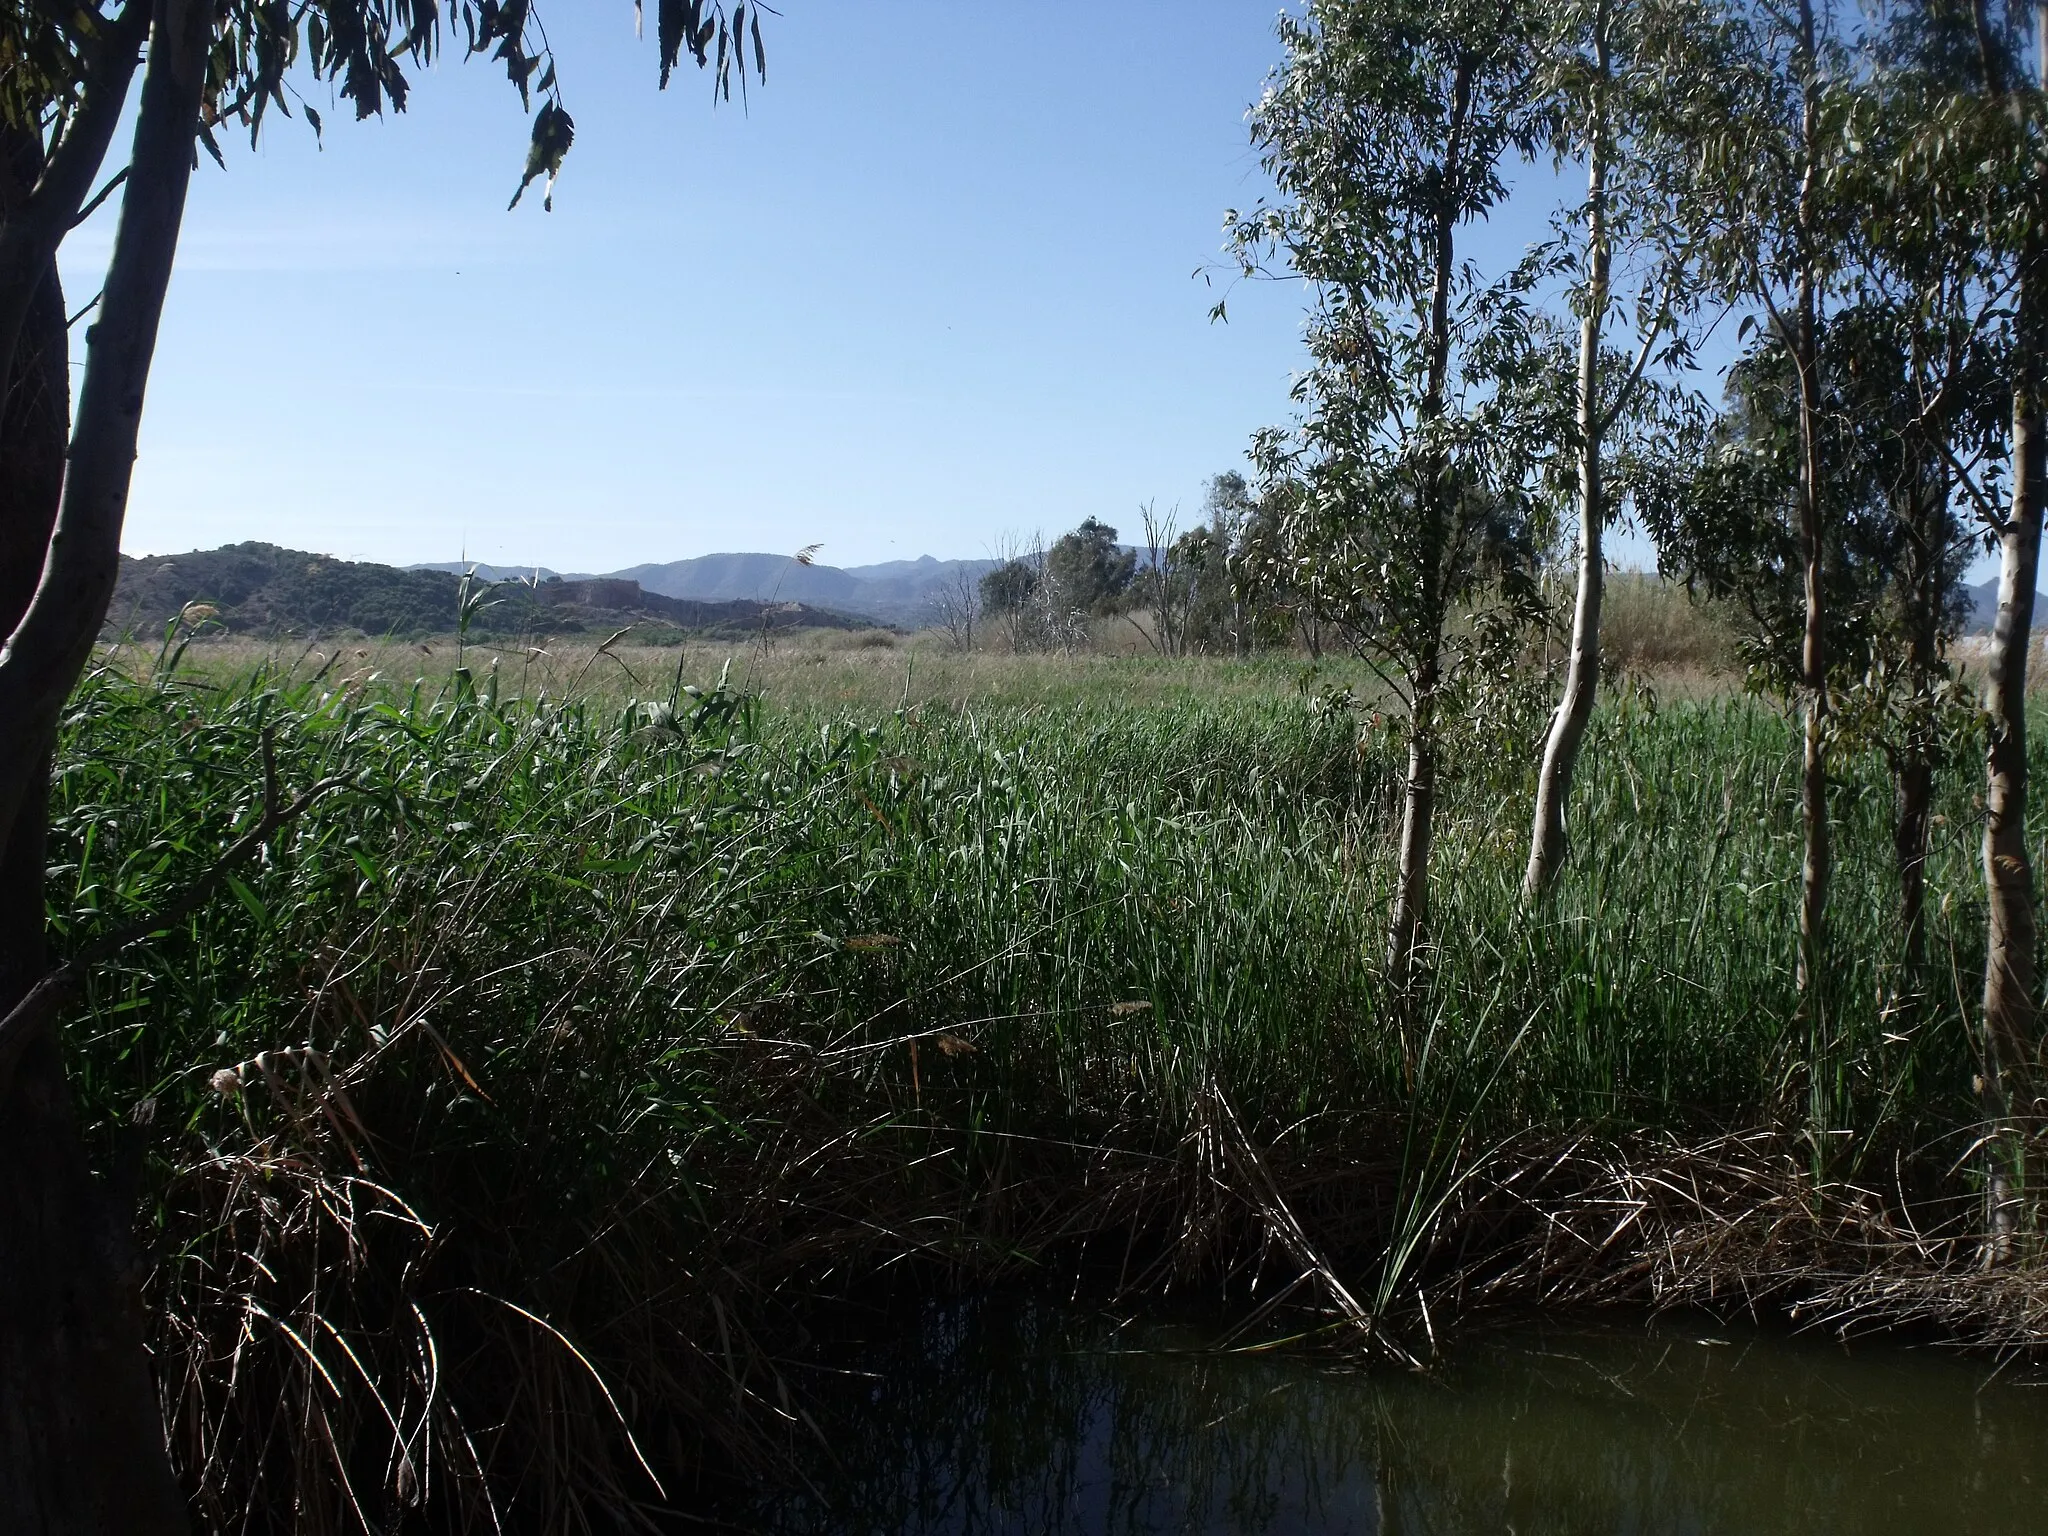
(553, 133)
(674, 22)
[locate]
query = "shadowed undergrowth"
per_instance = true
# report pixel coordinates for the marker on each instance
(492, 1129)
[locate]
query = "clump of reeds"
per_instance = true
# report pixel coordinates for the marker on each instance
(494, 1131)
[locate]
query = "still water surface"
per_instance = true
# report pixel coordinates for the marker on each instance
(1013, 1416)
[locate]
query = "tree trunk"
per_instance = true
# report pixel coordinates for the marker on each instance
(1817, 862)
(81, 1440)
(81, 1443)
(1928, 532)
(1582, 676)
(2006, 1080)
(1406, 930)
(1407, 925)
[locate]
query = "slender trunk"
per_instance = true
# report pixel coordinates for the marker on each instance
(1817, 863)
(1582, 676)
(81, 1446)
(2006, 1081)
(1407, 930)
(1913, 769)
(1433, 492)
(81, 1440)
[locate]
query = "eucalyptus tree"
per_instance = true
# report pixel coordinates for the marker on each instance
(1762, 112)
(1009, 593)
(2007, 109)
(1403, 492)
(1911, 399)
(1609, 67)
(1266, 589)
(82, 1450)
(1725, 505)
(1087, 571)
(1962, 239)
(1230, 509)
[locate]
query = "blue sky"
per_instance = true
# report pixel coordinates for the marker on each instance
(933, 286)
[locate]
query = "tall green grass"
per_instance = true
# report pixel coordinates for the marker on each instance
(573, 1039)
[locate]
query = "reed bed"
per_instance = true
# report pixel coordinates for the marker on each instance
(495, 1135)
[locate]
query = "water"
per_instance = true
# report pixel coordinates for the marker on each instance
(1011, 1416)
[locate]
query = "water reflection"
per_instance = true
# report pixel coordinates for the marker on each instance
(1018, 1417)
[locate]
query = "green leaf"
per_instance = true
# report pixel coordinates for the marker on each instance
(249, 899)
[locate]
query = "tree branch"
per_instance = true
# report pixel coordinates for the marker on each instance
(1635, 372)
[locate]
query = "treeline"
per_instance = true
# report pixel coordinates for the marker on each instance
(1858, 194)
(1181, 590)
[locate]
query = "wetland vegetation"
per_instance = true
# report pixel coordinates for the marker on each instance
(454, 1086)
(593, 1040)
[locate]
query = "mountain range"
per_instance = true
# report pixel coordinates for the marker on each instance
(262, 588)
(899, 592)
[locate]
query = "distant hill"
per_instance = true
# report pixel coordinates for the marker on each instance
(262, 589)
(764, 578)
(894, 592)
(909, 587)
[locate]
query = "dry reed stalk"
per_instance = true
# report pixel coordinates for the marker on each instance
(1735, 1222)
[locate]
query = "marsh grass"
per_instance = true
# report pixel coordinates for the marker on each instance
(867, 673)
(491, 1134)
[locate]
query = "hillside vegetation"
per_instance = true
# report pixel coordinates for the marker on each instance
(267, 591)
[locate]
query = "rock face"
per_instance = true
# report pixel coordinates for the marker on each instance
(266, 590)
